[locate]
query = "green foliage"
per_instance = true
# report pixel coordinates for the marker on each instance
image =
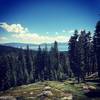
(81, 55)
(28, 66)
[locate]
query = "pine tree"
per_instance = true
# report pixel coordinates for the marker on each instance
(38, 65)
(97, 45)
(30, 64)
(54, 60)
(24, 67)
(45, 63)
(74, 56)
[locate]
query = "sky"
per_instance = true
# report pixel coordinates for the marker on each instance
(46, 21)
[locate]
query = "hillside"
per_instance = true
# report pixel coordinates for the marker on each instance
(23, 66)
(61, 46)
(7, 49)
(49, 90)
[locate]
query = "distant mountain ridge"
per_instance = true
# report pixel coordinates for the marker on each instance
(61, 46)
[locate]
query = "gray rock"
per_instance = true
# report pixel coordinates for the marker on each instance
(68, 97)
(7, 98)
(47, 88)
(45, 93)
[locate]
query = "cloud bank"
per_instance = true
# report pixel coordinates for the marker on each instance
(15, 28)
(23, 35)
(35, 38)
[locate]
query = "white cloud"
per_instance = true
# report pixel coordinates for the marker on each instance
(71, 31)
(56, 33)
(16, 28)
(22, 34)
(68, 31)
(64, 31)
(3, 39)
(47, 32)
(38, 39)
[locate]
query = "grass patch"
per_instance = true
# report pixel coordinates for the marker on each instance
(59, 90)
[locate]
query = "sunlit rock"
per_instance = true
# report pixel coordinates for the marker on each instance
(69, 97)
(47, 88)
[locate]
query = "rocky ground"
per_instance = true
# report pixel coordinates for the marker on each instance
(52, 90)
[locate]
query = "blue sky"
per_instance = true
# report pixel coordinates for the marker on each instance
(37, 21)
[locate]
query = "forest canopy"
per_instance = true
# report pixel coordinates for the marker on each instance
(19, 66)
